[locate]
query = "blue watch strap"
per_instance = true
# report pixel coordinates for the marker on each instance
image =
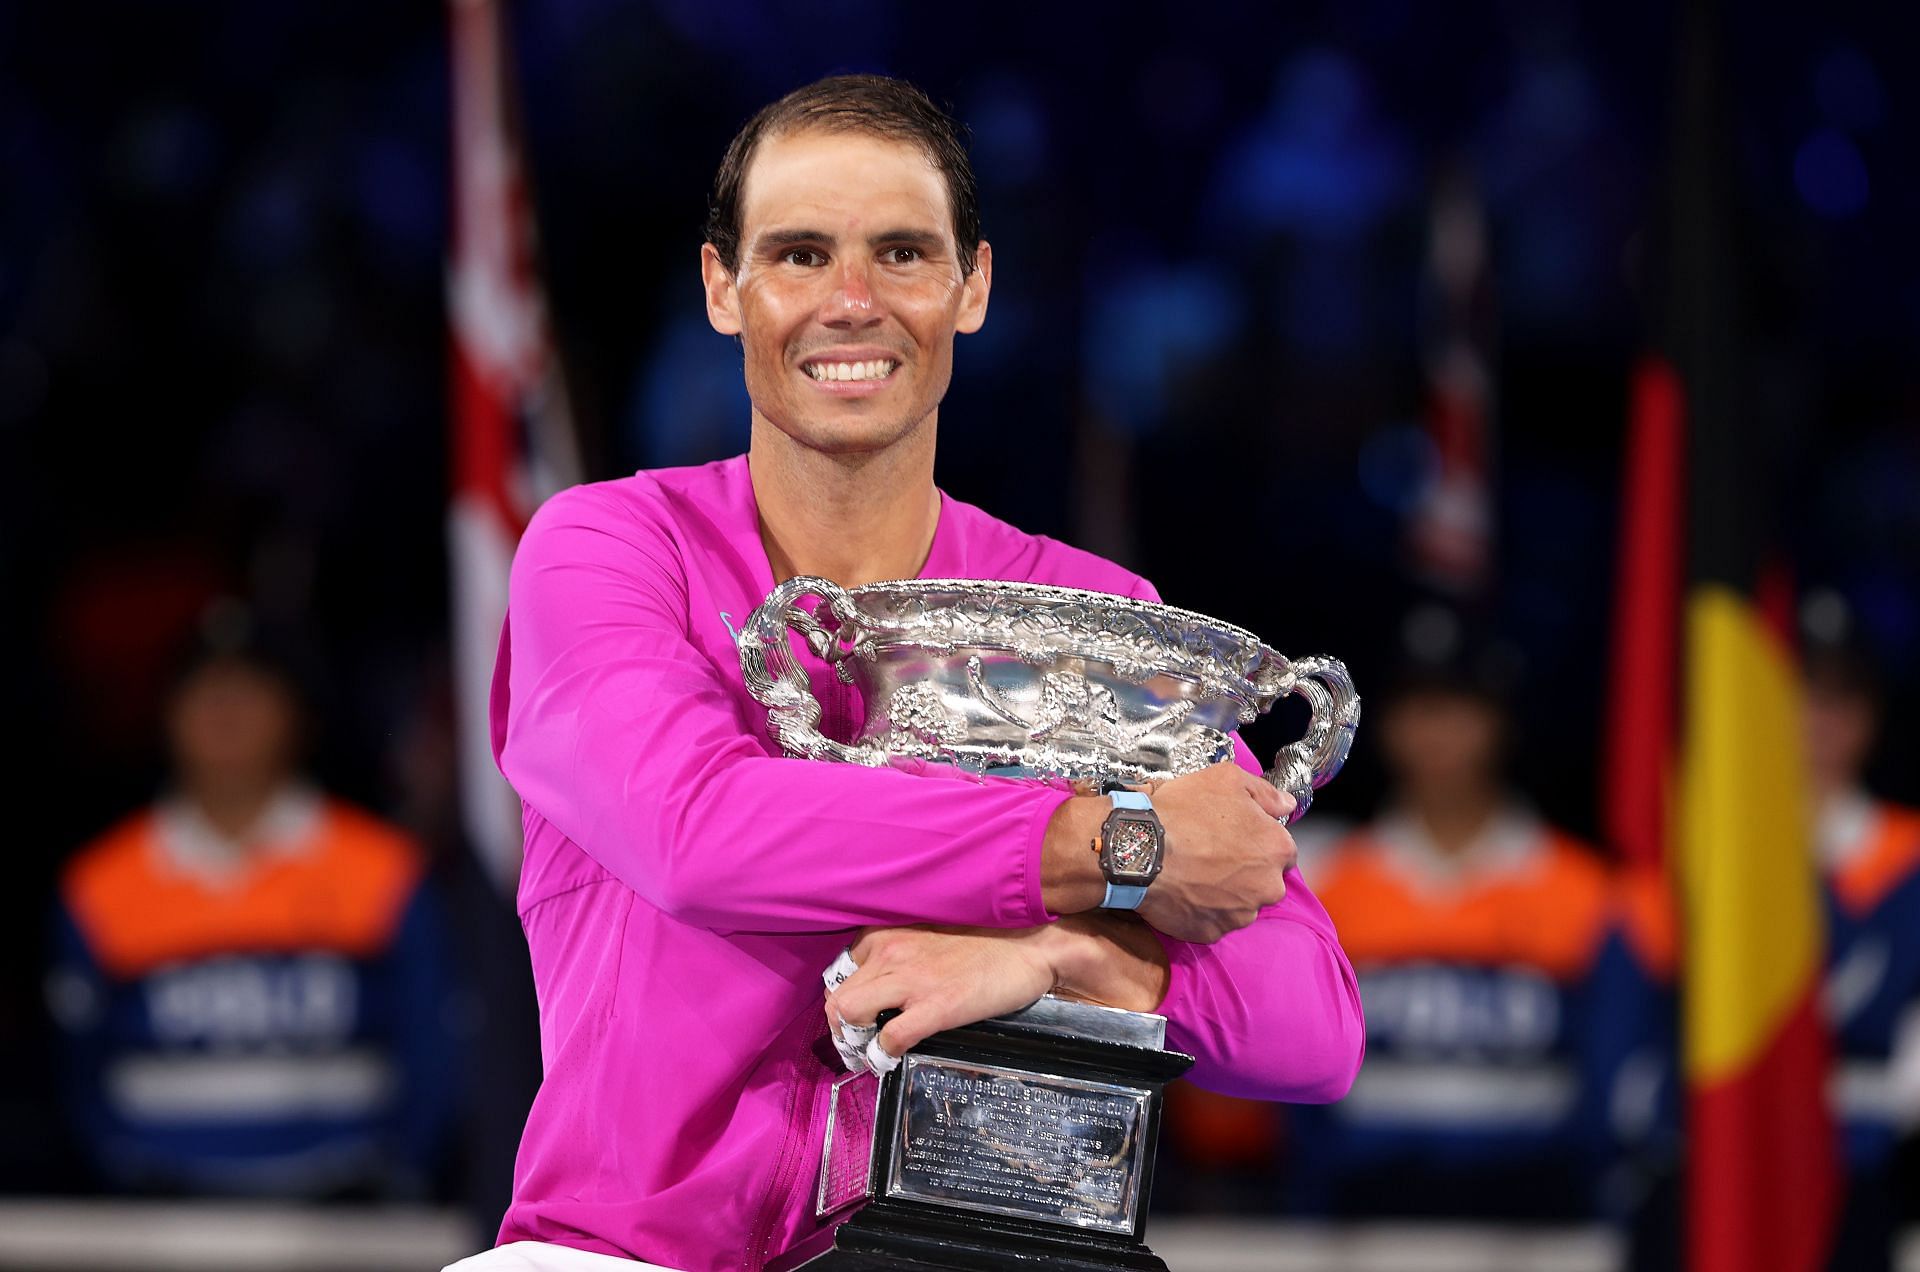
(1130, 799)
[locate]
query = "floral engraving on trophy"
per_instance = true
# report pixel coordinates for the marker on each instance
(1200, 748)
(1036, 624)
(1071, 705)
(918, 711)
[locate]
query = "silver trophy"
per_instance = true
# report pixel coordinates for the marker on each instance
(1021, 678)
(1029, 1136)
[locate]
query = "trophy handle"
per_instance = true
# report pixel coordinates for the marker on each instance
(1312, 762)
(777, 680)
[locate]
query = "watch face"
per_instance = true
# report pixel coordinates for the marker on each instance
(1132, 845)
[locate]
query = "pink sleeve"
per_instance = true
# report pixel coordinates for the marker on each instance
(635, 747)
(1272, 1011)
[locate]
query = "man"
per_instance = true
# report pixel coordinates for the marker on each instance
(1870, 865)
(1510, 982)
(249, 977)
(684, 886)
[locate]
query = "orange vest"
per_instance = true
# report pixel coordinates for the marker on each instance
(343, 892)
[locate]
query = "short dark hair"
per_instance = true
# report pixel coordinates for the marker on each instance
(877, 105)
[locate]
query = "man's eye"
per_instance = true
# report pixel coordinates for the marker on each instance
(803, 256)
(902, 255)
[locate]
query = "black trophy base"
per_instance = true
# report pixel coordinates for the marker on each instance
(899, 1230)
(890, 1235)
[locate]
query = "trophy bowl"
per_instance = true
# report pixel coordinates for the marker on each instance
(1028, 680)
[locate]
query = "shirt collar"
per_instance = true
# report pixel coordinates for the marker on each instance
(1511, 838)
(1843, 829)
(193, 845)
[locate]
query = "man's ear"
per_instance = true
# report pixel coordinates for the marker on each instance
(723, 298)
(973, 304)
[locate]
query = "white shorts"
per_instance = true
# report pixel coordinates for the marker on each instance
(542, 1256)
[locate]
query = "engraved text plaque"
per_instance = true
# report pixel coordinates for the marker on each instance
(1058, 1150)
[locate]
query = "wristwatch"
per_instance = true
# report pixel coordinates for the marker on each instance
(1132, 844)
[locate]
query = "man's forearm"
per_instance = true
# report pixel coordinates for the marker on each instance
(1112, 959)
(1070, 877)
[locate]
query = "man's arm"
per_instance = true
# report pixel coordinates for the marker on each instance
(625, 738)
(631, 743)
(1270, 1011)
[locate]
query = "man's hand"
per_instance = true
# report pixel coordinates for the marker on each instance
(1227, 853)
(942, 977)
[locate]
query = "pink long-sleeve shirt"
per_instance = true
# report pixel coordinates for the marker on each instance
(685, 884)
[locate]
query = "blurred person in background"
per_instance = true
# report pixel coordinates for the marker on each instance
(1512, 987)
(1870, 863)
(248, 976)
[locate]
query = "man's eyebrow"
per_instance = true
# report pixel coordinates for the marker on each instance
(927, 240)
(768, 240)
(782, 238)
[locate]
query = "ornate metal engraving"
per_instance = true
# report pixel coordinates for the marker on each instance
(1020, 677)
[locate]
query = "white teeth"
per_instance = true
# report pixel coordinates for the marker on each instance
(875, 369)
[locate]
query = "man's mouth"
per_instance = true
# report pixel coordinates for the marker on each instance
(871, 369)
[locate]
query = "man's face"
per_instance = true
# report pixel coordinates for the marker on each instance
(849, 289)
(1437, 741)
(1840, 723)
(233, 728)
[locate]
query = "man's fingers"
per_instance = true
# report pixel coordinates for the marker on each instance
(865, 995)
(916, 1022)
(1271, 801)
(1290, 857)
(867, 945)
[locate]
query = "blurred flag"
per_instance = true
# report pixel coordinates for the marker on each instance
(1705, 775)
(1763, 1181)
(1450, 530)
(511, 432)
(1643, 737)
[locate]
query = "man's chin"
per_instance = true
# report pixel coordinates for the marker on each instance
(850, 439)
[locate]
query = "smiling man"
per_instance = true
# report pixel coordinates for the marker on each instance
(685, 885)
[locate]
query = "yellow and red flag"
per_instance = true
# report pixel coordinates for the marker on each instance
(1762, 1184)
(1762, 1160)
(1705, 775)
(1706, 783)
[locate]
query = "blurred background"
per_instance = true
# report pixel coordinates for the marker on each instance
(1339, 323)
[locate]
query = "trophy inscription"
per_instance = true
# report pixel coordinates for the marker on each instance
(1008, 1142)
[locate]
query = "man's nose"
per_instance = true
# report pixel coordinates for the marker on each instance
(851, 301)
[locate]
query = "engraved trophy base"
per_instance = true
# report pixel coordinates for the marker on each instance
(1025, 1141)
